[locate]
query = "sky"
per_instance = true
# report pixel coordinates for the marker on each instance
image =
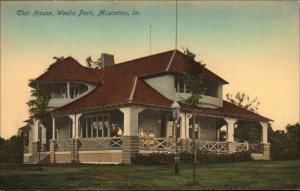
(254, 45)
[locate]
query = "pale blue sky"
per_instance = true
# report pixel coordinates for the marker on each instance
(253, 45)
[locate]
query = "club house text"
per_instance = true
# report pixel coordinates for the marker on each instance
(70, 12)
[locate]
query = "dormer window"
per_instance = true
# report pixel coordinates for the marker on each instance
(77, 89)
(180, 85)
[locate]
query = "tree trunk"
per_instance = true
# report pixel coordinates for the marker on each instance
(194, 148)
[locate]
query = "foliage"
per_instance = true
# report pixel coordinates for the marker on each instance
(248, 131)
(195, 87)
(57, 61)
(242, 100)
(222, 135)
(38, 104)
(11, 150)
(90, 63)
(154, 158)
(193, 78)
(285, 145)
(187, 157)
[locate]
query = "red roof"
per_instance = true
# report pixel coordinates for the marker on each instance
(122, 84)
(68, 70)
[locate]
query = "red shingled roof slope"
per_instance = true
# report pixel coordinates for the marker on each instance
(68, 70)
(228, 110)
(118, 81)
(121, 84)
(179, 63)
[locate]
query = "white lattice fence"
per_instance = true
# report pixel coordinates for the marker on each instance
(212, 146)
(100, 144)
(239, 147)
(164, 144)
(62, 145)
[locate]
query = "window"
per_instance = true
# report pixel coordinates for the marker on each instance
(95, 126)
(210, 88)
(77, 89)
(63, 92)
(179, 84)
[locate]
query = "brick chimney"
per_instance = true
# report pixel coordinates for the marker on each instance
(107, 59)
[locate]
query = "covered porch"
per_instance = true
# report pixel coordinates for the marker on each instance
(87, 137)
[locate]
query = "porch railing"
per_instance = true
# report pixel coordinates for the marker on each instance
(62, 145)
(212, 146)
(240, 147)
(169, 144)
(44, 147)
(254, 148)
(105, 143)
(157, 144)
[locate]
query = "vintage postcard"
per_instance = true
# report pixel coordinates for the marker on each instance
(96, 94)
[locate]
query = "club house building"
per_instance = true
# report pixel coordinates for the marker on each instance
(109, 114)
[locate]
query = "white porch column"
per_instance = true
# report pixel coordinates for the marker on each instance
(185, 125)
(264, 132)
(77, 125)
(68, 90)
(188, 117)
(53, 128)
(44, 134)
(73, 118)
(182, 125)
(230, 128)
(131, 120)
(35, 130)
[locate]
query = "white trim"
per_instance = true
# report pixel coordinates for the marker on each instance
(27, 154)
(153, 151)
(103, 151)
(171, 60)
(133, 89)
(62, 152)
(100, 162)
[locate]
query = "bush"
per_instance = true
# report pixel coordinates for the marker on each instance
(154, 158)
(11, 150)
(187, 157)
(285, 145)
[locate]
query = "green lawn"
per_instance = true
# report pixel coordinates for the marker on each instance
(238, 175)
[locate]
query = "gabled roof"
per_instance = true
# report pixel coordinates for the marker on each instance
(67, 70)
(123, 84)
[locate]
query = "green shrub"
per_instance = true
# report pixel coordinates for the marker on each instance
(187, 157)
(154, 158)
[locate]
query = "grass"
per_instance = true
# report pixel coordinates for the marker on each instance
(238, 175)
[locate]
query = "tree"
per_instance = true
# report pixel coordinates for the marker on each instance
(90, 63)
(57, 61)
(246, 131)
(38, 104)
(242, 100)
(11, 150)
(285, 145)
(195, 87)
